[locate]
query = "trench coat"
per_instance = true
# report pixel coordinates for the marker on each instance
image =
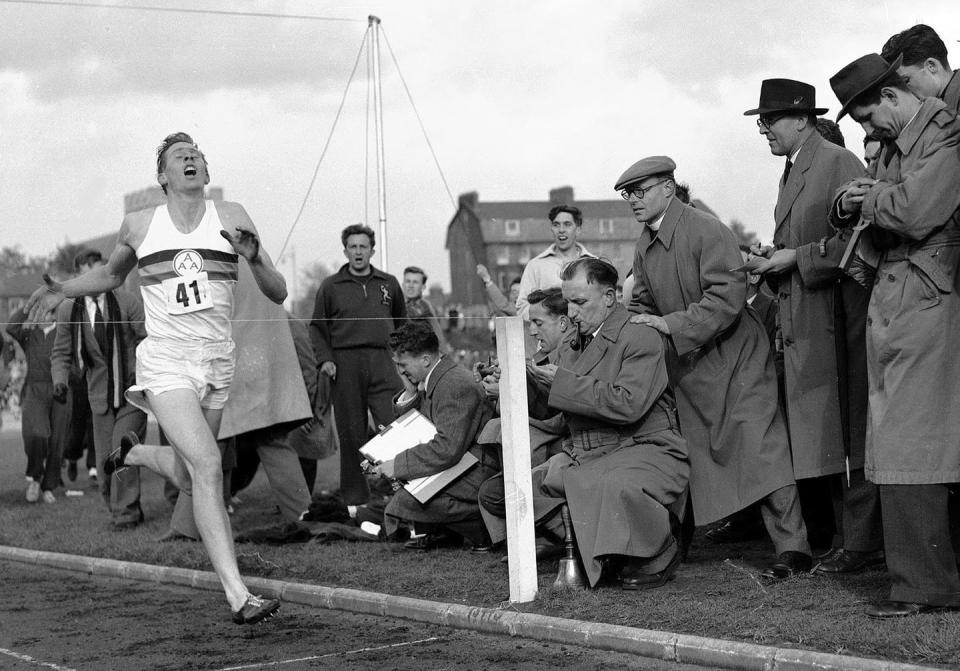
(913, 430)
(455, 403)
(719, 361)
(822, 316)
(624, 468)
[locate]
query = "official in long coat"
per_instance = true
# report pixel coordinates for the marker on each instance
(822, 316)
(99, 336)
(719, 360)
(624, 469)
(913, 430)
(447, 395)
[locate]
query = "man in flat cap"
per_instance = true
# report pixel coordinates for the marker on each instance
(822, 317)
(910, 201)
(719, 361)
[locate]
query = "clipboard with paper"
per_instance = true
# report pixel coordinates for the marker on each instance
(410, 429)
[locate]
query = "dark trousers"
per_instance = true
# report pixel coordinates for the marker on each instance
(781, 514)
(366, 379)
(44, 428)
(857, 513)
(80, 436)
(921, 560)
(121, 491)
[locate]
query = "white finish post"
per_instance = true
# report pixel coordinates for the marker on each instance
(515, 427)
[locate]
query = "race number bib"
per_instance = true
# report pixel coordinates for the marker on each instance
(187, 293)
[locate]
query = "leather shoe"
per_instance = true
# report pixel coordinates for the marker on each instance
(545, 550)
(888, 609)
(850, 561)
(640, 581)
(114, 461)
(431, 542)
(730, 531)
(128, 523)
(788, 565)
(256, 609)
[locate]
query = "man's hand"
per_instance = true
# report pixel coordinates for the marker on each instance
(543, 374)
(60, 392)
(757, 249)
(42, 302)
(409, 388)
(244, 242)
(781, 261)
(329, 369)
(853, 194)
(656, 322)
(386, 469)
(483, 273)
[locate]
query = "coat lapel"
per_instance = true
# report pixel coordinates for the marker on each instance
(790, 191)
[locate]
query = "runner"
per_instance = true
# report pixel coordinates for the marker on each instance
(187, 254)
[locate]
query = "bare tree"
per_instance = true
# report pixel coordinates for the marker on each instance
(744, 237)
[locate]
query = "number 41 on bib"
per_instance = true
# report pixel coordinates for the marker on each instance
(187, 293)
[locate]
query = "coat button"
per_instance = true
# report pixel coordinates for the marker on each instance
(891, 278)
(869, 321)
(886, 322)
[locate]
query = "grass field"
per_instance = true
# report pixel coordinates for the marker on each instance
(717, 594)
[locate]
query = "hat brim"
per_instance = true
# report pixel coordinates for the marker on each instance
(893, 68)
(769, 110)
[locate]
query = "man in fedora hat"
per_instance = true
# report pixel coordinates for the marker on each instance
(822, 318)
(910, 199)
(925, 69)
(718, 360)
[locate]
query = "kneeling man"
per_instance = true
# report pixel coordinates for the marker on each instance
(449, 397)
(624, 466)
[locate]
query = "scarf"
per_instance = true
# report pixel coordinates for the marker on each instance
(114, 354)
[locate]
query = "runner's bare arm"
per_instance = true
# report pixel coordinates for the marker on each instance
(240, 232)
(45, 300)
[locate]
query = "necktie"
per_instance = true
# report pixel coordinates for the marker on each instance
(99, 328)
(786, 170)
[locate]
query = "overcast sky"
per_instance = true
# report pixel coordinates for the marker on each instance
(517, 98)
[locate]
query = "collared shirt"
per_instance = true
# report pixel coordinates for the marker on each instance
(92, 303)
(543, 272)
(655, 226)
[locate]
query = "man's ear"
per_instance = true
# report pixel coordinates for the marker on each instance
(891, 95)
(161, 178)
(933, 66)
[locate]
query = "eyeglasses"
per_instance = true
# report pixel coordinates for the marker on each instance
(640, 192)
(764, 121)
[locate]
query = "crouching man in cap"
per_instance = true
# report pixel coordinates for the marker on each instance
(719, 361)
(910, 199)
(822, 316)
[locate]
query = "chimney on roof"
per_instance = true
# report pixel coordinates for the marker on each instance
(562, 195)
(469, 200)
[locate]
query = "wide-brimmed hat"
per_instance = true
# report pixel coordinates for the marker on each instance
(786, 95)
(859, 76)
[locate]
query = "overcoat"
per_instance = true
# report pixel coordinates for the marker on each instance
(625, 466)
(455, 403)
(913, 431)
(817, 310)
(719, 361)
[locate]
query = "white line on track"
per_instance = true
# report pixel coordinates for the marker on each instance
(36, 662)
(329, 654)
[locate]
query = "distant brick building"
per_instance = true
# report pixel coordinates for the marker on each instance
(504, 235)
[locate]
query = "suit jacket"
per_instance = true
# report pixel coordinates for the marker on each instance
(455, 403)
(814, 316)
(64, 355)
(719, 361)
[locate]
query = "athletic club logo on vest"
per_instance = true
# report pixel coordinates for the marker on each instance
(187, 262)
